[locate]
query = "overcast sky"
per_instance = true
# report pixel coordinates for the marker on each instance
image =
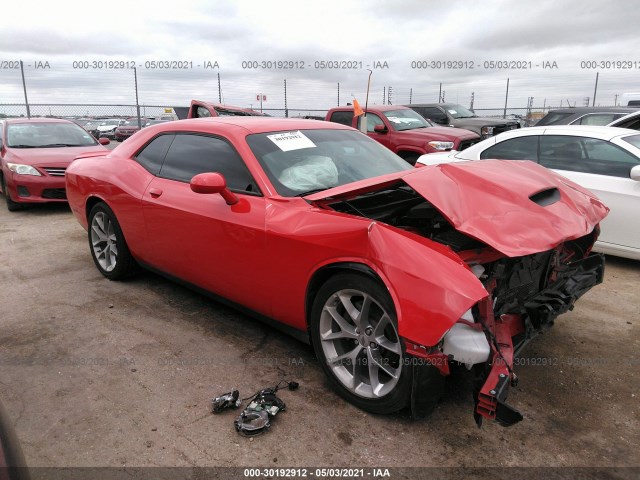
(397, 33)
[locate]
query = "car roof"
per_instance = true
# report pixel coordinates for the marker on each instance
(581, 130)
(443, 105)
(371, 108)
(578, 110)
(249, 124)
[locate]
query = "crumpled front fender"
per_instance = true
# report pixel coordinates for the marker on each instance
(430, 285)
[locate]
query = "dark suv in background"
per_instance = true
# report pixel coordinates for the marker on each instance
(453, 115)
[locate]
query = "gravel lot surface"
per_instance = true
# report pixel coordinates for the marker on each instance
(101, 373)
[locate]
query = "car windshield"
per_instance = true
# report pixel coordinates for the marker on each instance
(458, 111)
(307, 161)
(47, 135)
(133, 122)
(633, 140)
(406, 119)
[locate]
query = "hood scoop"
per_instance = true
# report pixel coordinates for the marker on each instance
(546, 197)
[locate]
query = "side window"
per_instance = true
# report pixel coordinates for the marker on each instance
(435, 114)
(345, 118)
(191, 154)
(598, 119)
(521, 148)
(202, 112)
(152, 156)
(588, 155)
(372, 121)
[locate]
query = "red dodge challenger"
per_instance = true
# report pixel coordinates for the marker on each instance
(392, 273)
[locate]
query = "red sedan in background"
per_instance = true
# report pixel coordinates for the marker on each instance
(34, 155)
(391, 272)
(128, 128)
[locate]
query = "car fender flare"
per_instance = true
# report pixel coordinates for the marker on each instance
(427, 305)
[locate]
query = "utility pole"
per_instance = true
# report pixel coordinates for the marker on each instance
(595, 90)
(24, 87)
(440, 94)
(219, 90)
(410, 95)
(384, 94)
(286, 110)
(135, 81)
(615, 101)
(338, 94)
(506, 98)
(473, 95)
(389, 94)
(363, 126)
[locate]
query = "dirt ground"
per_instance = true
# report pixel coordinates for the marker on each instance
(101, 373)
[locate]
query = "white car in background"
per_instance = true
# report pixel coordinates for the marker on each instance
(605, 160)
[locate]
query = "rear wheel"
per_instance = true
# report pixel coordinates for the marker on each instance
(11, 205)
(107, 244)
(355, 337)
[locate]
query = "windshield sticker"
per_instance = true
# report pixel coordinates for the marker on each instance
(401, 119)
(452, 112)
(291, 141)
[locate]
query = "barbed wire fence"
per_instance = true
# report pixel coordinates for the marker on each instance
(72, 93)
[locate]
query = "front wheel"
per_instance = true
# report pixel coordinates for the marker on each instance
(107, 244)
(355, 337)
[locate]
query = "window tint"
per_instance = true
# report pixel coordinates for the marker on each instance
(372, 121)
(152, 156)
(588, 155)
(433, 113)
(633, 140)
(632, 123)
(554, 118)
(191, 154)
(345, 118)
(522, 148)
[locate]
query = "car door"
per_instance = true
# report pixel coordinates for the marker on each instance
(199, 238)
(372, 121)
(603, 168)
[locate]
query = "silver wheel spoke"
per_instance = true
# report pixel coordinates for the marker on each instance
(346, 329)
(376, 386)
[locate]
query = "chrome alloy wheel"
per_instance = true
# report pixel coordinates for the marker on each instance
(103, 241)
(360, 343)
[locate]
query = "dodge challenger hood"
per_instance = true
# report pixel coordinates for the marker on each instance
(517, 207)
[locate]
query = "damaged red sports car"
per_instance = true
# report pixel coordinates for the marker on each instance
(392, 273)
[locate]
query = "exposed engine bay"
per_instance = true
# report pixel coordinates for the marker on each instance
(526, 293)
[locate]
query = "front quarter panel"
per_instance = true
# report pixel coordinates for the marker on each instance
(430, 285)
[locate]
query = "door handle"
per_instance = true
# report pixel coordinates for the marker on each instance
(155, 192)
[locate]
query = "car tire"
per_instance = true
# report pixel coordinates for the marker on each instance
(11, 205)
(107, 244)
(346, 342)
